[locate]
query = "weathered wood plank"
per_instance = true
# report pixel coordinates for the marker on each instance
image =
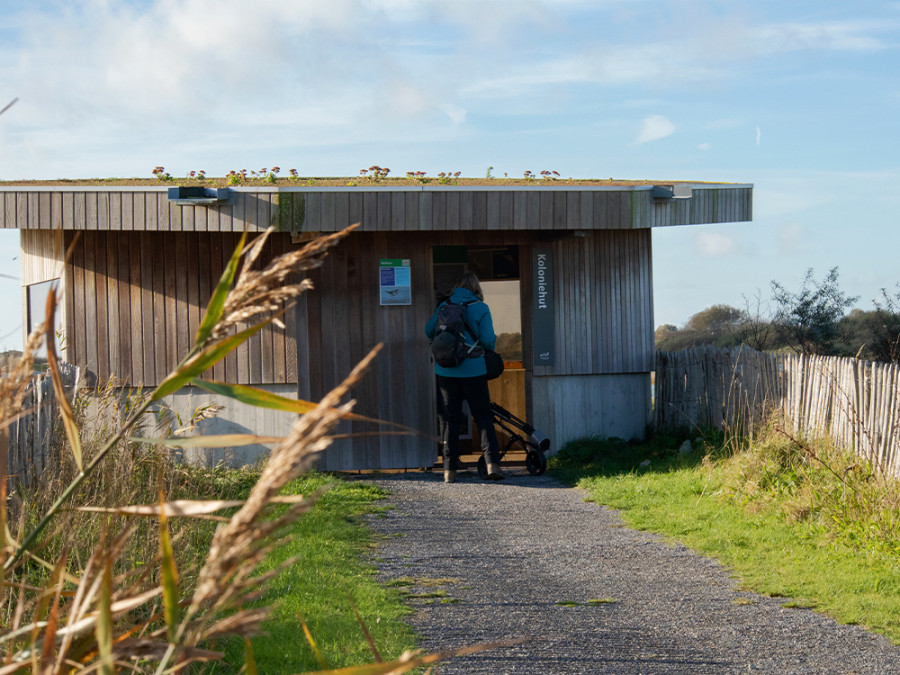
(147, 307)
(170, 268)
(267, 338)
(342, 210)
(466, 216)
(560, 219)
(156, 253)
(114, 321)
(127, 211)
(479, 209)
(398, 211)
(412, 211)
(101, 292)
(439, 211)
(137, 312)
(229, 244)
(384, 216)
(328, 216)
(370, 211)
(426, 211)
(453, 211)
(9, 210)
(44, 211)
(124, 344)
(192, 263)
(88, 298)
(181, 263)
(34, 215)
(205, 281)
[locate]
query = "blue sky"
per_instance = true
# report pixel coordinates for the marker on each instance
(800, 98)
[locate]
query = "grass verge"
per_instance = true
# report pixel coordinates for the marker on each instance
(327, 580)
(784, 520)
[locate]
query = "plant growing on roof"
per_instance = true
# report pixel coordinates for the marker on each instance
(294, 174)
(550, 175)
(161, 174)
(418, 176)
(235, 177)
(272, 176)
(375, 173)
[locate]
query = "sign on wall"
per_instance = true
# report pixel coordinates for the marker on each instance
(395, 281)
(544, 325)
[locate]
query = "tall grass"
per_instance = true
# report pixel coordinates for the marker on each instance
(116, 585)
(811, 481)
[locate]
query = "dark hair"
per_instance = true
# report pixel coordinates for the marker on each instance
(470, 282)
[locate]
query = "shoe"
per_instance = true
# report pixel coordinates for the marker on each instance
(494, 472)
(449, 476)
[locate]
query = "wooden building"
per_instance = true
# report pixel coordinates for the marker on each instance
(567, 270)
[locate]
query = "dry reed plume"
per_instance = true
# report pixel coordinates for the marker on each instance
(102, 615)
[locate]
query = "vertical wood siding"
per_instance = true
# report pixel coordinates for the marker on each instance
(603, 304)
(426, 208)
(341, 321)
(137, 298)
(42, 254)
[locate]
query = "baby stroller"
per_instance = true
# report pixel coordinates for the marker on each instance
(532, 441)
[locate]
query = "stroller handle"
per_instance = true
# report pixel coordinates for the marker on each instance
(539, 438)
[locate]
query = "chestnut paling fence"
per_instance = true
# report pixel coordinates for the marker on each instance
(855, 403)
(31, 435)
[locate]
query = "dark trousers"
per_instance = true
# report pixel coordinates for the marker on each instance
(474, 391)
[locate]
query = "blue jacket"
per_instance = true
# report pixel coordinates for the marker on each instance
(478, 317)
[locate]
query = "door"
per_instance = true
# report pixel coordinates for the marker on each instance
(497, 268)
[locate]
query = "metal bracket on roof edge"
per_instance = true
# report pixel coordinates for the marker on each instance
(666, 192)
(199, 196)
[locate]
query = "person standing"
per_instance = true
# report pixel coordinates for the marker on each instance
(468, 381)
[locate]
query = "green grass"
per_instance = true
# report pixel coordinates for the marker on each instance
(793, 537)
(328, 578)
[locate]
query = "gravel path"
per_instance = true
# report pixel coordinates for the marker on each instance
(513, 558)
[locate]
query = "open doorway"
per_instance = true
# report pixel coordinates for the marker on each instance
(497, 268)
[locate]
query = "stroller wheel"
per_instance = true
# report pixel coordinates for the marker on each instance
(482, 468)
(535, 462)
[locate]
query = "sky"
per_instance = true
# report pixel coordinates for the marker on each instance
(800, 98)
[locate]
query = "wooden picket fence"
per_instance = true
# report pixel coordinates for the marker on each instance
(855, 403)
(31, 436)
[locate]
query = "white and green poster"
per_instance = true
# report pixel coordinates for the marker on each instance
(395, 281)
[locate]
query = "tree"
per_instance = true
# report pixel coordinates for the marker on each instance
(757, 331)
(716, 321)
(718, 325)
(885, 327)
(810, 317)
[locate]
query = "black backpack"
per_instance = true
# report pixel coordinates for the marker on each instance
(448, 346)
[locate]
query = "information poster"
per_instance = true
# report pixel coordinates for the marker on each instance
(395, 281)
(544, 325)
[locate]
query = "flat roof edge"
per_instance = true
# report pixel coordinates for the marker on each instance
(383, 188)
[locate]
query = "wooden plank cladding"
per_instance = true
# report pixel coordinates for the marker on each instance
(603, 301)
(136, 299)
(423, 208)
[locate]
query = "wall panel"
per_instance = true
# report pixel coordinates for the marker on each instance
(138, 300)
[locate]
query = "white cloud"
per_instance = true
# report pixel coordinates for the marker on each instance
(654, 128)
(758, 136)
(853, 36)
(713, 244)
(704, 146)
(456, 114)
